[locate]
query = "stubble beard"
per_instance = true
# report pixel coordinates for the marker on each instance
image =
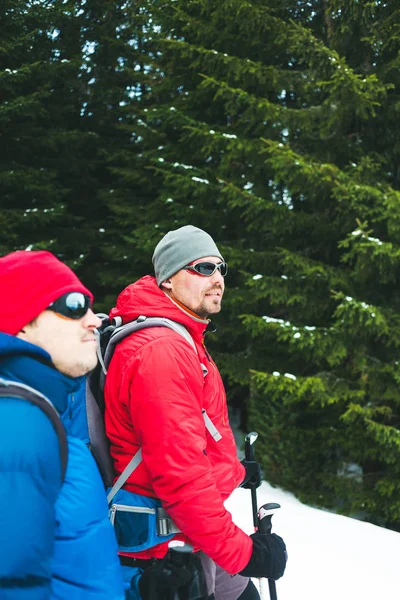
(209, 307)
(79, 368)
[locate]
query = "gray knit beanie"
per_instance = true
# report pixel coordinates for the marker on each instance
(179, 248)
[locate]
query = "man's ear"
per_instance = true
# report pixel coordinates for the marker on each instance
(166, 284)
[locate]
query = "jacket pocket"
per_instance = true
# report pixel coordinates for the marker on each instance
(134, 518)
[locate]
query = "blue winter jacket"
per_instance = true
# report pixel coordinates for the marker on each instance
(55, 541)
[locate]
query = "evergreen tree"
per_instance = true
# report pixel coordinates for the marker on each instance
(273, 127)
(280, 140)
(31, 198)
(71, 177)
(48, 155)
(122, 72)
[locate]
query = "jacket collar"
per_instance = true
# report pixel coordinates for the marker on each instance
(144, 297)
(29, 364)
(187, 310)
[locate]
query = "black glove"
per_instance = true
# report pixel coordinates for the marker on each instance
(252, 479)
(268, 558)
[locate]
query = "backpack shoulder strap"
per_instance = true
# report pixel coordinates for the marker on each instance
(118, 335)
(14, 389)
(143, 322)
(127, 472)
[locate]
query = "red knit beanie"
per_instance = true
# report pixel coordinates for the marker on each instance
(29, 282)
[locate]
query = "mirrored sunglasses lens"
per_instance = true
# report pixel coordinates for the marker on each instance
(209, 268)
(76, 303)
(205, 268)
(223, 267)
(73, 305)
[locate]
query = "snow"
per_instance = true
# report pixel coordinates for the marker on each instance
(200, 180)
(331, 557)
(272, 319)
(290, 375)
(176, 164)
(375, 240)
(370, 239)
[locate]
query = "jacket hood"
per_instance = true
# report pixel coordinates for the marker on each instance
(26, 363)
(144, 297)
(10, 345)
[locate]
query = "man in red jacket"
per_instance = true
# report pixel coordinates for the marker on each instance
(167, 398)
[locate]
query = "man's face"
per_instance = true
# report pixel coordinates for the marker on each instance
(202, 295)
(70, 343)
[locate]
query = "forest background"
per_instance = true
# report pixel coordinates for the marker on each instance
(272, 125)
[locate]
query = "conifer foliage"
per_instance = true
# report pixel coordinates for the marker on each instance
(280, 138)
(71, 181)
(31, 78)
(272, 125)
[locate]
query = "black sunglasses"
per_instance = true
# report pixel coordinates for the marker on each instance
(73, 305)
(208, 268)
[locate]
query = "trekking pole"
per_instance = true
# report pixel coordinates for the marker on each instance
(264, 518)
(249, 456)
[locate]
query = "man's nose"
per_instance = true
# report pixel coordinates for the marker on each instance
(217, 277)
(92, 321)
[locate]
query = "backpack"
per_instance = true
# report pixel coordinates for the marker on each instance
(110, 333)
(134, 533)
(14, 389)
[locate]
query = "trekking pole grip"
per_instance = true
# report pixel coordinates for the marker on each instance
(265, 515)
(248, 446)
(249, 456)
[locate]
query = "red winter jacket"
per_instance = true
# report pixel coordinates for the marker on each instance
(155, 392)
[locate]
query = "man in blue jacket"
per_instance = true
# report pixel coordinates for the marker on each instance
(55, 538)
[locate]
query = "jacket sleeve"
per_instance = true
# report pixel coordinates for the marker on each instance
(30, 478)
(166, 397)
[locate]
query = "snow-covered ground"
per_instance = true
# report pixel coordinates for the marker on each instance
(331, 557)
